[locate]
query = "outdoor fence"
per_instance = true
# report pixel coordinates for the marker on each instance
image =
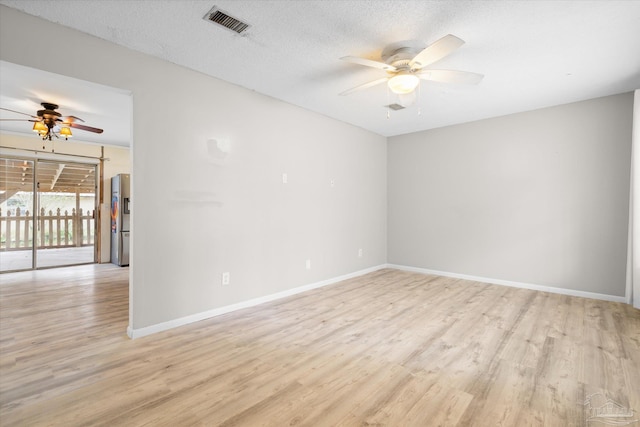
(52, 230)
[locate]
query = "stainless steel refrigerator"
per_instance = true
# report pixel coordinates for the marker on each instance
(120, 213)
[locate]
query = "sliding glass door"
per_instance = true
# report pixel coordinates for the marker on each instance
(17, 205)
(65, 216)
(47, 214)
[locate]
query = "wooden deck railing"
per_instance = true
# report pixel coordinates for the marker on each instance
(54, 230)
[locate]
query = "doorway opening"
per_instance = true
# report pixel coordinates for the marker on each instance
(47, 213)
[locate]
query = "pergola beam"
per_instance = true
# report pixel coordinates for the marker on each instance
(7, 195)
(57, 175)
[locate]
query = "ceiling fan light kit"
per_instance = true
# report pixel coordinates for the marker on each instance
(47, 133)
(403, 83)
(405, 63)
(66, 132)
(40, 128)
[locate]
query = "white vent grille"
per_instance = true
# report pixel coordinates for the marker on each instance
(222, 18)
(394, 107)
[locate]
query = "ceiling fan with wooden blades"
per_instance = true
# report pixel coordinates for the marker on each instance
(406, 64)
(49, 123)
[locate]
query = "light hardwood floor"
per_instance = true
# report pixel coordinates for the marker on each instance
(389, 348)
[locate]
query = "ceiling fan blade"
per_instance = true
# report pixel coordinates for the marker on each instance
(83, 127)
(71, 119)
(17, 120)
(18, 112)
(369, 63)
(451, 76)
(364, 86)
(436, 51)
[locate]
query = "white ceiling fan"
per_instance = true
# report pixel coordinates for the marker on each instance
(405, 63)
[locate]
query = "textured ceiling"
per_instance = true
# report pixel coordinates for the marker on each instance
(533, 53)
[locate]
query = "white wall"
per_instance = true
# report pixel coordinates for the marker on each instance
(195, 216)
(539, 197)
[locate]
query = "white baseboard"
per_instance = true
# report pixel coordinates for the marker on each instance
(542, 288)
(148, 330)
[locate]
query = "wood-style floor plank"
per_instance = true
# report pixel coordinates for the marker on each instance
(390, 348)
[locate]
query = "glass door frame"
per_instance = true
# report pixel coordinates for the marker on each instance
(13, 230)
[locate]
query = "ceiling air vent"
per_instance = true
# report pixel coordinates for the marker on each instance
(220, 17)
(394, 107)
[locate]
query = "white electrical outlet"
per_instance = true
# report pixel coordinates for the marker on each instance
(360, 253)
(285, 178)
(226, 278)
(308, 264)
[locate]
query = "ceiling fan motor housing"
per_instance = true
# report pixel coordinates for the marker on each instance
(401, 53)
(49, 115)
